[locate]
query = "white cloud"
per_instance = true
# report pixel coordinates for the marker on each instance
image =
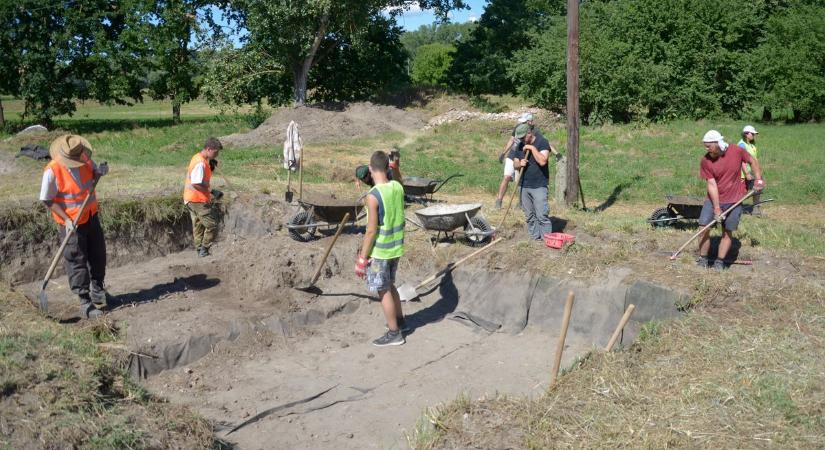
(413, 10)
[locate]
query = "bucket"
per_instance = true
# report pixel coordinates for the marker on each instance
(557, 240)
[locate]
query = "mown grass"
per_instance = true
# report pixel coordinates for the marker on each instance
(744, 371)
(60, 388)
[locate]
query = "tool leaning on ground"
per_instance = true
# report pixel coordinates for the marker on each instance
(407, 292)
(315, 277)
(42, 298)
(512, 196)
(715, 220)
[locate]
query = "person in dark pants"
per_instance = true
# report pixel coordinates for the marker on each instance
(533, 155)
(67, 181)
(198, 196)
(721, 167)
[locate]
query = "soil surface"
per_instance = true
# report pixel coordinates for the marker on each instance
(277, 367)
(331, 124)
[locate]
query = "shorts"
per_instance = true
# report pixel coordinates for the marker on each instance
(381, 274)
(509, 170)
(731, 222)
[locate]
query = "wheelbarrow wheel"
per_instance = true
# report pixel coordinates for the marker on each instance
(659, 218)
(481, 226)
(301, 234)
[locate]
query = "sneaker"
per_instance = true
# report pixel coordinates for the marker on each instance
(702, 261)
(88, 310)
(718, 265)
(402, 325)
(203, 251)
(389, 338)
(498, 203)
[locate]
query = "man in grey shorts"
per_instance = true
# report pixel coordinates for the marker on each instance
(721, 167)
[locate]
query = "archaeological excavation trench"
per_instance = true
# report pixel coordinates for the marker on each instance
(275, 367)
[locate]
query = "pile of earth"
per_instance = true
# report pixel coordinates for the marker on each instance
(318, 124)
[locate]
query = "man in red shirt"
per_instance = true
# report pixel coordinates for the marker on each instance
(721, 167)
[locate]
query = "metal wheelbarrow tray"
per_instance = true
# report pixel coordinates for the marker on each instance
(448, 219)
(679, 207)
(322, 212)
(419, 187)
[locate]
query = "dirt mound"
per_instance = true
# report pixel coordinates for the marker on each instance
(325, 124)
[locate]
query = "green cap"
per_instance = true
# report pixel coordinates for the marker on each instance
(521, 130)
(362, 172)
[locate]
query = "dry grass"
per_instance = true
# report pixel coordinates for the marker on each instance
(58, 388)
(742, 370)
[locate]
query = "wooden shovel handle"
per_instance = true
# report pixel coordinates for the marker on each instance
(329, 249)
(568, 311)
(712, 223)
(456, 264)
(622, 323)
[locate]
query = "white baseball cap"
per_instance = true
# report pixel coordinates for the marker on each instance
(750, 129)
(713, 136)
(526, 117)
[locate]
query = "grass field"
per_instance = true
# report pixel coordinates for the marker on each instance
(630, 165)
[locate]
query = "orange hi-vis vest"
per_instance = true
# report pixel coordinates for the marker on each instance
(190, 195)
(73, 186)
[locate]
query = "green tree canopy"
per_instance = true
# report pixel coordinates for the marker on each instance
(295, 32)
(442, 33)
(431, 64)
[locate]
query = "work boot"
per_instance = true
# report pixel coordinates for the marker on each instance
(702, 262)
(203, 251)
(390, 338)
(719, 265)
(98, 294)
(87, 308)
(498, 203)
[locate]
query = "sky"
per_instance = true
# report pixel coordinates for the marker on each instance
(415, 17)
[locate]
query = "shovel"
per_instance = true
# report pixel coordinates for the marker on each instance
(407, 292)
(311, 286)
(44, 300)
(711, 224)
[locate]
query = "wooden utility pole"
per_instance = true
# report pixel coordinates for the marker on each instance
(571, 194)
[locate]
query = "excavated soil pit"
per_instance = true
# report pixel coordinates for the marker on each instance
(275, 367)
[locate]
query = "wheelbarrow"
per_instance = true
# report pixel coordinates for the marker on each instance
(422, 189)
(679, 207)
(322, 212)
(452, 219)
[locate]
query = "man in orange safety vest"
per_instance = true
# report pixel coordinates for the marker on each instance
(198, 196)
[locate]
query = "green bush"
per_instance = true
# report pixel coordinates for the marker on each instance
(431, 64)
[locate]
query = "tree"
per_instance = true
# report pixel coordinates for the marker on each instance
(438, 33)
(172, 28)
(432, 63)
(481, 62)
(788, 68)
(65, 52)
(364, 65)
(297, 32)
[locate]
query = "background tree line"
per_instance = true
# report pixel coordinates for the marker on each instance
(640, 59)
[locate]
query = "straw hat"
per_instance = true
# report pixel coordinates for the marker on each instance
(69, 150)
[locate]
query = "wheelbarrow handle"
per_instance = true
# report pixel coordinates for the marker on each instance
(456, 175)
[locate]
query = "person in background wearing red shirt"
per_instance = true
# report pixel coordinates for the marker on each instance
(721, 167)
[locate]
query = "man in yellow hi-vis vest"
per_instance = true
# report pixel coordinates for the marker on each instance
(748, 143)
(383, 246)
(197, 195)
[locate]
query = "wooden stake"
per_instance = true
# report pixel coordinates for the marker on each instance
(568, 310)
(622, 323)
